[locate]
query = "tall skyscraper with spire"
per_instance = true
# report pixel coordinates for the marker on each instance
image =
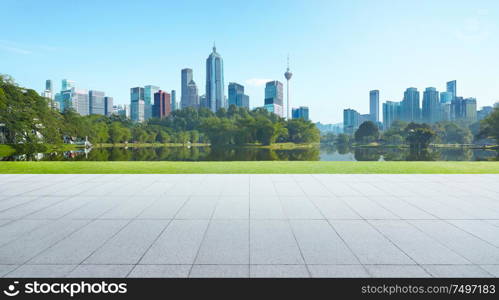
(215, 96)
(288, 76)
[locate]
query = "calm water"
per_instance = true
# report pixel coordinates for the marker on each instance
(324, 153)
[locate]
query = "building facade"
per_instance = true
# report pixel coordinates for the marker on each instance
(186, 78)
(470, 109)
(391, 113)
(162, 105)
(374, 105)
(275, 109)
(108, 106)
(173, 95)
(300, 113)
(192, 97)
(97, 102)
(137, 104)
(237, 96)
(411, 111)
(274, 94)
(149, 91)
(431, 106)
(452, 88)
(351, 121)
(215, 95)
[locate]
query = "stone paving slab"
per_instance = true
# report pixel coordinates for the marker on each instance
(269, 225)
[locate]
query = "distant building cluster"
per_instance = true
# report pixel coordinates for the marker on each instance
(435, 107)
(151, 102)
(82, 101)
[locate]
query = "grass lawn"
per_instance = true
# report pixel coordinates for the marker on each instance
(259, 167)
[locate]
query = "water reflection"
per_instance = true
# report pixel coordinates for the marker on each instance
(324, 153)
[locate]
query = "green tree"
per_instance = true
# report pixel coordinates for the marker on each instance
(100, 133)
(194, 136)
(452, 133)
(489, 127)
(183, 137)
(163, 137)
(368, 132)
(301, 131)
(419, 136)
(116, 133)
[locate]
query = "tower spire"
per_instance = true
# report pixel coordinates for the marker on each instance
(288, 76)
(214, 47)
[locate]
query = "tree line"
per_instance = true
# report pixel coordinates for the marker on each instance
(28, 119)
(418, 135)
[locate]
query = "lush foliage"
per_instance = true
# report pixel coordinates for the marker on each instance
(368, 132)
(26, 116)
(419, 136)
(29, 119)
(489, 127)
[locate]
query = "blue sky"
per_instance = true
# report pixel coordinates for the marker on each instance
(339, 49)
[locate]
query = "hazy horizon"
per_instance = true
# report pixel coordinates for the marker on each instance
(339, 50)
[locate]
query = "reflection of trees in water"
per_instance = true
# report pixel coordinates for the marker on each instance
(367, 154)
(329, 148)
(422, 154)
(395, 154)
(309, 154)
(258, 154)
(120, 154)
(456, 154)
(344, 148)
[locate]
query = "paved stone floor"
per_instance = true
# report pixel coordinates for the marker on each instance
(249, 225)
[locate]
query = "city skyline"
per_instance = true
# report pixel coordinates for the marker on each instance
(335, 59)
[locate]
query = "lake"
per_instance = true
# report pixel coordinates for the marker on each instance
(323, 153)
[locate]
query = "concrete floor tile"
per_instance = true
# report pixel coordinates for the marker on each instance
(160, 271)
(278, 271)
(220, 271)
(338, 271)
(100, 271)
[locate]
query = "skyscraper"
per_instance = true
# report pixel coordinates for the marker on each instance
(49, 93)
(470, 111)
(374, 105)
(67, 85)
(446, 97)
(215, 81)
(288, 76)
(431, 105)
(174, 105)
(457, 108)
(274, 97)
(137, 104)
(162, 104)
(149, 91)
(202, 101)
(186, 77)
(108, 106)
(300, 113)
(351, 120)
(192, 97)
(391, 113)
(452, 88)
(48, 86)
(96, 101)
(237, 96)
(411, 111)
